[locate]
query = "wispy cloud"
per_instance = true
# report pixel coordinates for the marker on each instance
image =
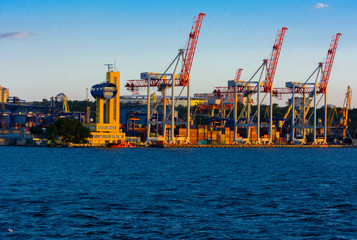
(321, 5)
(15, 35)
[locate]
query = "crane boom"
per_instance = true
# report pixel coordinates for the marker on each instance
(274, 60)
(284, 91)
(238, 74)
(328, 64)
(134, 85)
(191, 48)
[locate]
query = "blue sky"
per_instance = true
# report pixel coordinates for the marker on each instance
(49, 47)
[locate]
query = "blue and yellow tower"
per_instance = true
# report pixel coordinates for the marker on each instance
(107, 95)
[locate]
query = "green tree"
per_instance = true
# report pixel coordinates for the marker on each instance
(68, 130)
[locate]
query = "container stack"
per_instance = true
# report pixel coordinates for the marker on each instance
(204, 134)
(253, 134)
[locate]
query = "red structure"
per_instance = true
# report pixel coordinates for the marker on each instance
(328, 64)
(191, 48)
(135, 85)
(238, 73)
(325, 73)
(274, 60)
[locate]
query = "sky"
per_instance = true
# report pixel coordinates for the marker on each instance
(48, 47)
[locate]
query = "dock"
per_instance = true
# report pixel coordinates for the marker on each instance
(249, 146)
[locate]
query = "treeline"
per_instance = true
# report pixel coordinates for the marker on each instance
(74, 105)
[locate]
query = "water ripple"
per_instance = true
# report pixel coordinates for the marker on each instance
(50, 193)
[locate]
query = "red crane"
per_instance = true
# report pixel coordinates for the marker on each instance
(134, 85)
(191, 48)
(325, 73)
(270, 69)
(238, 73)
(328, 64)
(274, 60)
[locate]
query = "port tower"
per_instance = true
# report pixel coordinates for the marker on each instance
(107, 96)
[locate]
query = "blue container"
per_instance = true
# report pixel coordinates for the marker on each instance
(202, 142)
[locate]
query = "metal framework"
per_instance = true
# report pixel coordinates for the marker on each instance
(328, 64)
(250, 88)
(268, 84)
(221, 101)
(346, 108)
(191, 48)
(299, 125)
(166, 80)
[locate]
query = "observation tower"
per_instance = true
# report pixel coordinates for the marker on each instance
(107, 96)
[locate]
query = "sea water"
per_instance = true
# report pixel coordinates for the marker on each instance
(148, 193)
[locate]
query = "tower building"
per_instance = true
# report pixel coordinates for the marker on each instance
(107, 96)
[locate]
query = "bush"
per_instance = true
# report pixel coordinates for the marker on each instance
(36, 130)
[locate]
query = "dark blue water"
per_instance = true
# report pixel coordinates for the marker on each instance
(68, 193)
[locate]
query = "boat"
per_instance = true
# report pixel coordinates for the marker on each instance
(120, 144)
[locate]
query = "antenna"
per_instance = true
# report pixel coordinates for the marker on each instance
(110, 66)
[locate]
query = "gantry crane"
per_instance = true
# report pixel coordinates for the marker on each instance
(312, 90)
(165, 80)
(346, 108)
(340, 130)
(248, 88)
(65, 104)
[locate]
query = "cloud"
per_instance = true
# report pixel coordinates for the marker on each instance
(15, 35)
(321, 5)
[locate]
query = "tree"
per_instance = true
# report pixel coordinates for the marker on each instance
(68, 130)
(36, 130)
